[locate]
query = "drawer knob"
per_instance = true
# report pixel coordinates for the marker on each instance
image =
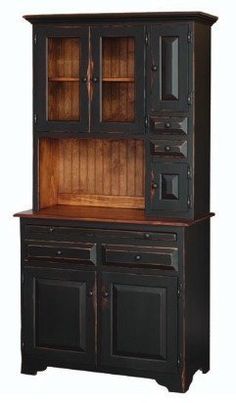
(59, 252)
(167, 148)
(51, 229)
(154, 185)
(147, 236)
(90, 293)
(105, 294)
(154, 67)
(137, 257)
(167, 125)
(84, 80)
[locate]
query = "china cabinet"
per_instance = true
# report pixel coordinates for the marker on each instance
(115, 251)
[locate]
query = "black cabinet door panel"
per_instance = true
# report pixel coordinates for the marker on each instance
(139, 322)
(58, 314)
(60, 79)
(169, 187)
(167, 72)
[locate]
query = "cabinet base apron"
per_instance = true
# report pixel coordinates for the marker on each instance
(178, 382)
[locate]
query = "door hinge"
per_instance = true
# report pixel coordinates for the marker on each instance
(189, 37)
(35, 39)
(179, 361)
(179, 290)
(189, 202)
(146, 39)
(189, 98)
(35, 118)
(146, 121)
(189, 173)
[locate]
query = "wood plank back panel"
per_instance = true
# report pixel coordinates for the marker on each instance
(48, 172)
(92, 172)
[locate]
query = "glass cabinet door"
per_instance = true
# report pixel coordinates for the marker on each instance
(117, 76)
(61, 65)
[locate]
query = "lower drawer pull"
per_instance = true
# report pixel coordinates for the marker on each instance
(59, 252)
(167, 148)
(137, 257)
(147, 236)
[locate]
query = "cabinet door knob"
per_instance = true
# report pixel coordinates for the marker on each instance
(90, 293)
(167, 148)
(137, 257)
(105, 294)
(167, 125)
(154, 67)
(154, 185)
(95, 79)
(51, 229)
(59, 252)
(146, 236)
(84, 79)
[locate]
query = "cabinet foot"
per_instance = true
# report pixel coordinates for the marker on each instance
(31, 366)
(173, 382)
(205, 369)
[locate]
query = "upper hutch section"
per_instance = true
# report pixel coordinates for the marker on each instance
(122, 112)
(94, 73)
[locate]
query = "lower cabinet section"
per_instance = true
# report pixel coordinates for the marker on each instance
(139, 322)
(137, 318)
(58, 314)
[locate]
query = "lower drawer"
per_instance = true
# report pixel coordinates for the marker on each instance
(79, 252)
(138, 256)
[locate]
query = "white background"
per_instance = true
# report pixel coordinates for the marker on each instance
(16, 189)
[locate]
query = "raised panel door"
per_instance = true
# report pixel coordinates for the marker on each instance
(58, 314)
(139, 322)
(168, 68)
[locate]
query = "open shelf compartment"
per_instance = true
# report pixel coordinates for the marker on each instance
(91, 172)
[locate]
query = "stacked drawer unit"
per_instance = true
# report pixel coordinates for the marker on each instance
(170, 150)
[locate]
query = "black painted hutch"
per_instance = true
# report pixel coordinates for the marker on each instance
(115, 252)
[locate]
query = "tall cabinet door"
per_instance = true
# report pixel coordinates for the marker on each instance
(139, 322)
(117, 76)
(58, 315)
(60, 79)
(167, 70)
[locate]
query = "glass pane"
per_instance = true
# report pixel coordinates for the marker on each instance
(118, 79)
(63, 78)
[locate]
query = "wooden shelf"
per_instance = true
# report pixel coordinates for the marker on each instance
(105, 214)
(118, 79)
(64, 79)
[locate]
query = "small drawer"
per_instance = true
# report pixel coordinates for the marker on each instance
(79, 252)
(52, 232)
(169, 148)
(140, 256)
(56, 233)
(169, 124)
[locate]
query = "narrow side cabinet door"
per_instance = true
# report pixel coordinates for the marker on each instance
(60, 79)
(167, 70)
(139, 322)
(117, 76)
(168, 184)
(58, 315)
